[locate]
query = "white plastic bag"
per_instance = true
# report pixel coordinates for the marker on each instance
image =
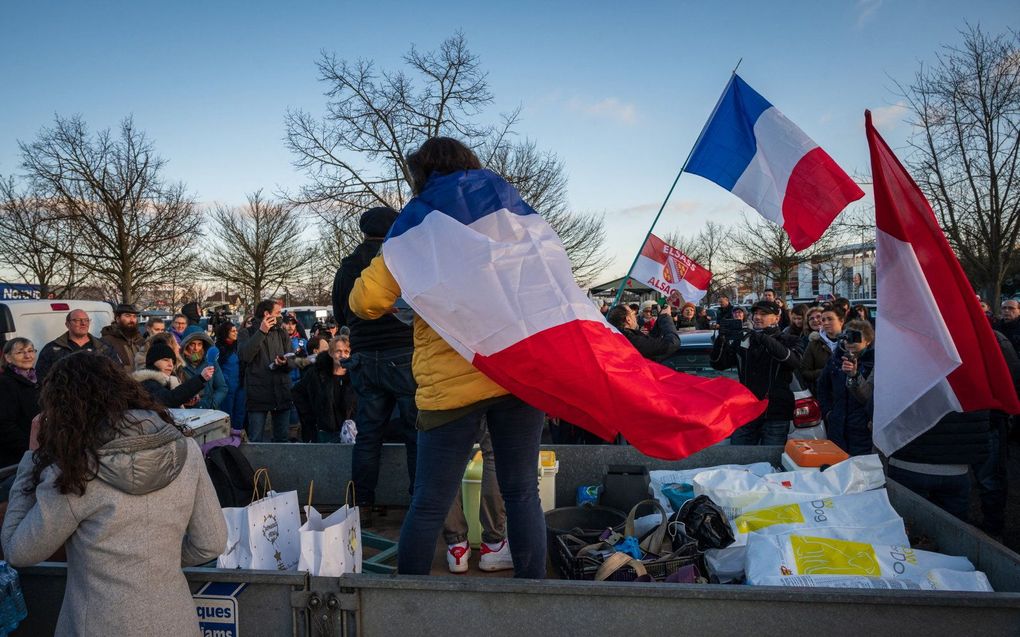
(740, 491)
(785, 555)
(264, 534)
(659, 478)
(348, 432)
(937, 579)
(331, 546)
(862, 517)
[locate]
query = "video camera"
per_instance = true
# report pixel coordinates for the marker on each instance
(849, 336)
(731, 329)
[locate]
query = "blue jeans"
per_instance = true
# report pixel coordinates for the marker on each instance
(443, 454)
(761, 432)
(256, 425)
(381, 381)
(950, 493)
(234, 404)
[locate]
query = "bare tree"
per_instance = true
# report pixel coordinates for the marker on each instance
(132, 228)
(762, 250)
(30, 225)
(258, 247)
(356, 155)
(966, 112)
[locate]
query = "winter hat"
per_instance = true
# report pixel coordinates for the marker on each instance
(376, 222)
(190, 310)
(158, 351)
(769, 307)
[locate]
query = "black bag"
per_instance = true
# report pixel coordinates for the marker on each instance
(231, 474)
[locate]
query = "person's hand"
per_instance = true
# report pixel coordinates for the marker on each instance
(191, 402)
(33, 436)
(267, 323)
(280, 361)
(208, 372)
(665, 311)
(849, 367)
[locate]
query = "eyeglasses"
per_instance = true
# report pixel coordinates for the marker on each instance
(24, 352)
(80, 321)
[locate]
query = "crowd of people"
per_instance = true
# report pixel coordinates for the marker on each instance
(93, 412)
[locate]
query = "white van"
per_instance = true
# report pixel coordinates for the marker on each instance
(41, 321)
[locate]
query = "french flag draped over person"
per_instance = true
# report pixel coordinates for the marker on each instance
(491, 277)
(749, 148)
(665, 269)
(924, 370)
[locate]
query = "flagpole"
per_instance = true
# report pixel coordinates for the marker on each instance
(623, 283)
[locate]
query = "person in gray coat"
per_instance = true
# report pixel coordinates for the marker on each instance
(127, 495)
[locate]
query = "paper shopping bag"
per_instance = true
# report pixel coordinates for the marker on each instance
(331, 546)
(263, 535)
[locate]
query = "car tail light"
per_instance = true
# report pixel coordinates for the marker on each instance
(806, 413)
(60, 307)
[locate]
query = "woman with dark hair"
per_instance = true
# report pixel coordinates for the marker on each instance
(19, 396)
(113, 480)
(452, 398)
(861, 312)
(233, 371)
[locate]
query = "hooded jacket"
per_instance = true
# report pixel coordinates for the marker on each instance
(150, 510)
(816, 356)
(215, 390)
(124, 344)
(168, 390)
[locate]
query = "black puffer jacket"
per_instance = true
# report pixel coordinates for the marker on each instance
(323, 401)
(267, 389)
(384, 333)
(660, 343)
(765, 366)
(20, 400)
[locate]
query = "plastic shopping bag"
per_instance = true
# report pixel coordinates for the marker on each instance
(739, 491)
(264, 534)
(659, 478)
(331, 546)
(870, 513)
(348, 432)
(937, 579)
(786, 555)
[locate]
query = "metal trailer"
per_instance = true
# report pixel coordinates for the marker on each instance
(275, 603)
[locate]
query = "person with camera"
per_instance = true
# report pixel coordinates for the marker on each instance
(659, 344)
(765, 359)
(844, 391)
(268, 359)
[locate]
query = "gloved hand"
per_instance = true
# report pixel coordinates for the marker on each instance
(773, 347)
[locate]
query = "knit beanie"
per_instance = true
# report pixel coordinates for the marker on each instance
(376, 222)
(158, 351)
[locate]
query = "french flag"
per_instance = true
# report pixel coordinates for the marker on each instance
(749, 148)
(924, 369)
(491, 277)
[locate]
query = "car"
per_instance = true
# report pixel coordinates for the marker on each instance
(695, 357)
(41, 321)
(309, 315)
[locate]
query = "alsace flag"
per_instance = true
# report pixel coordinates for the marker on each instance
(749, 148)
(924, 370)
(491, 277)
(662, 267)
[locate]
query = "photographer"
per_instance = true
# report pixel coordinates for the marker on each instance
(267, 373)
(765, 360)
(845, 389)
(663, 340)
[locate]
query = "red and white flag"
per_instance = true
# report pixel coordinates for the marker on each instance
(924, 369)
(665, 269)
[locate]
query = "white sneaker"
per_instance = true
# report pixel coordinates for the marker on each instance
(496, 557)
(457, 557)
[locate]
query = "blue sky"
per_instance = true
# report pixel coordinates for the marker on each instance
(618, 90)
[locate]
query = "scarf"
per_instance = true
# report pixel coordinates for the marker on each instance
(27, 374)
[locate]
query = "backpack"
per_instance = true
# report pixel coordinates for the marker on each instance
(232, 475)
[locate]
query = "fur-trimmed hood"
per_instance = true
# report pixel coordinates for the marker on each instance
(142, 375)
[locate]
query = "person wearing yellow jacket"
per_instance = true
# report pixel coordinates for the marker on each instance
(452, 397)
